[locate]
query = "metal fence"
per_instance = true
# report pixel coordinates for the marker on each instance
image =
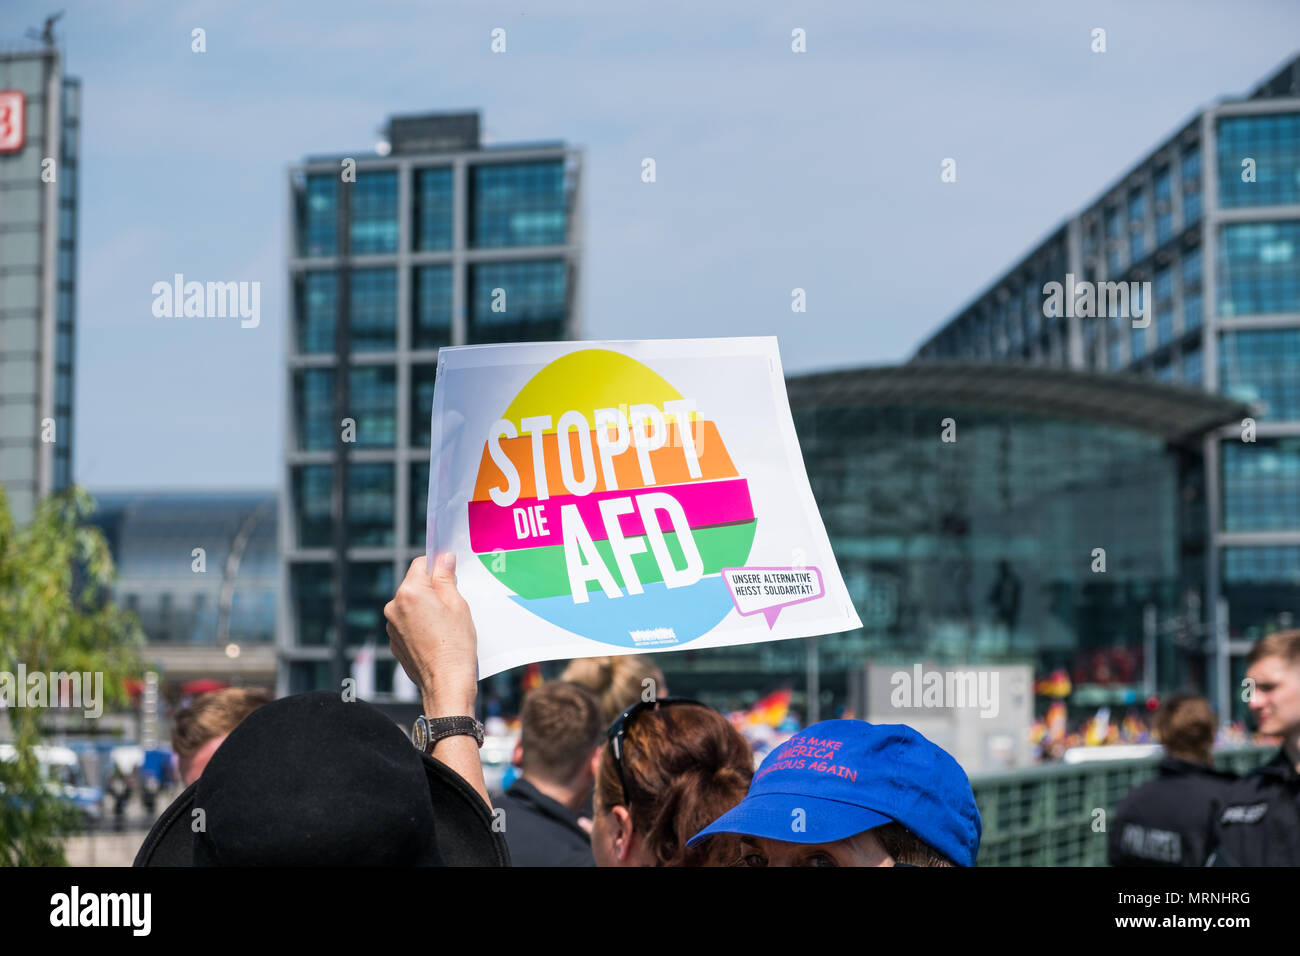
(1046, 816)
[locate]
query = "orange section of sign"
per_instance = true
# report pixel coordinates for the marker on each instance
(668, 463)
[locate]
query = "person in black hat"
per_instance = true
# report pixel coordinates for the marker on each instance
(316, 780)
(313, 780)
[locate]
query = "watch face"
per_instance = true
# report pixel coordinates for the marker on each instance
(420, 735)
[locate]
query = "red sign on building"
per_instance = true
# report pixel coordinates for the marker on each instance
(12, 120)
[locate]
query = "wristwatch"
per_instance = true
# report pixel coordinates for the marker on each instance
(429, 730)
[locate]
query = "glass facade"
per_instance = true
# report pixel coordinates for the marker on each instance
(312, 487)
(317, 298)
(1259, 268)
(371, 506)
(419, 503)
(402, 284)
(1263, 366)
(1191, 178)
(313, 399)
(32, 463)
(372, 402)
(152, 538)
(1261, 485)
(517, 204)
(518, 301)
(982, 551)
(1233, 287)
(1260, 584)
(373, 313)
(1273, 142)
(433, 209)
(431, 298)
(374, 213)
(422, 381)
(318, 216)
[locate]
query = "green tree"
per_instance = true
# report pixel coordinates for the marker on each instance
(55, 615)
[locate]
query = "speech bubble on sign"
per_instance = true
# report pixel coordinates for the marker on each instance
(767, 590)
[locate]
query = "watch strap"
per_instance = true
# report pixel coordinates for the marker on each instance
(443, 727)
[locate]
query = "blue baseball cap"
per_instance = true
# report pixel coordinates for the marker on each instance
(848, 776)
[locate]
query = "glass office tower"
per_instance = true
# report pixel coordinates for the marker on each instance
(40, 112)
(439, 241)
(1211, 219)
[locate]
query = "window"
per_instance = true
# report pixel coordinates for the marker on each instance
(433, 209)
(317, 297)
(370, 587)
(370, 505)
(372, 402)
(431, 301)
(313, 402)
(312, 487)
(373, 320)
(313, 597)
(1259, 268)
(1273, 142)
(318, 234)
(374, 213)
(1262, 366)
(518, 301)
(1261, 485)
(517, 204)
(422, 382)
(418, 490)
(1191, 181)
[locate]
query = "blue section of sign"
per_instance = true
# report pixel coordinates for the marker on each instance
(658, 617)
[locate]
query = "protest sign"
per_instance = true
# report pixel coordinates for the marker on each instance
(626, 497)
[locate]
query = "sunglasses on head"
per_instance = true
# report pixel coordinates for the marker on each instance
(618, 730)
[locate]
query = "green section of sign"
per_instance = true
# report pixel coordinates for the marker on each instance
(541, 572)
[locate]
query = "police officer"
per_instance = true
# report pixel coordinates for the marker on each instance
(1259, 823)
(1166, 821)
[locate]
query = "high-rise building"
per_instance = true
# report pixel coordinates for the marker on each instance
(434, 239)
(40, 113)
(1192, 261)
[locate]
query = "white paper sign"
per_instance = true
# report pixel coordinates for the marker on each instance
(626, 497)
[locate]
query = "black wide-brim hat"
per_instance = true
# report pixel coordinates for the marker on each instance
(313, 780)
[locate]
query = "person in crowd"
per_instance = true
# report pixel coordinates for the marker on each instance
(316, 780)
(850, 793)
(313, 779)
(1259, 821)
(1166, 821)
(617, 682)
(557, 752)
(667, 768)
(199, 729)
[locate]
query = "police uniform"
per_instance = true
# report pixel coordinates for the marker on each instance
(1167, 821)
(1259, 822)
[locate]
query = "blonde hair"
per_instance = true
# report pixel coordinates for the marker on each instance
(616, 682)
(212, 715)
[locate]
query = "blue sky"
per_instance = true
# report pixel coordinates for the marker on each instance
(775, 170)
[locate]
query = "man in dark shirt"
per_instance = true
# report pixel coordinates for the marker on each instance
(1259, 822)
(1166, 821)
(559, 745)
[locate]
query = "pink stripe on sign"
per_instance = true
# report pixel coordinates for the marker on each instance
(705, 503)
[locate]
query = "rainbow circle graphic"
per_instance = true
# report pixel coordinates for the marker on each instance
(656, 518)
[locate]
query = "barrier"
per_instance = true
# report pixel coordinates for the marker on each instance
(1046, 815)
